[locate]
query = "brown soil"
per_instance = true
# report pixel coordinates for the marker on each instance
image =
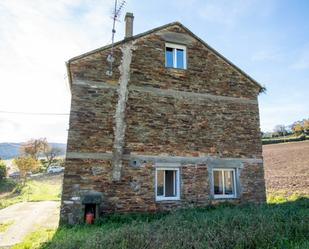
(287, 167)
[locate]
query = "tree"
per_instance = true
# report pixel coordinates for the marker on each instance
(3, 170)
(33, 147)
(51, 153)
(280, 130)
(306, 126)
(26, 164)
(297, 128)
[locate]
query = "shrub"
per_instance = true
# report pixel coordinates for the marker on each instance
(302, 137)
(3, 170)
(26, 164)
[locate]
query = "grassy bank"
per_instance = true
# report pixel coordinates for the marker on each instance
(12, 192)
(284, 225)
(284, 139)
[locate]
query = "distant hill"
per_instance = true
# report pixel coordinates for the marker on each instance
(11, 150)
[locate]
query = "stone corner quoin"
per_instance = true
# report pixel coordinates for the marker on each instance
(151, 138)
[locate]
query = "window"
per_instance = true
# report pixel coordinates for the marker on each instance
(224, 183)
(175, 56)
(167, 184)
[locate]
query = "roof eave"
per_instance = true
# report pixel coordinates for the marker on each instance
(123, 41)
(67, 64)
(262, 88)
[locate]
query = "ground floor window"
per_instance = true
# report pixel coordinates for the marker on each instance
(167, 184)
(224, 183)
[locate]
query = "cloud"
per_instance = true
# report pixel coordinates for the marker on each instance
(36, 38)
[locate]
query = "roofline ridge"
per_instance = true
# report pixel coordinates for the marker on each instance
(262, 88)
(124, 40)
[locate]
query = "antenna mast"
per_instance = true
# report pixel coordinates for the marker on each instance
(115, 17)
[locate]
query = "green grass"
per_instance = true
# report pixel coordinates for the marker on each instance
(286, 139)
(283, 196)
(246, 226)
(5, 225)
(35, 240)
(34, 190)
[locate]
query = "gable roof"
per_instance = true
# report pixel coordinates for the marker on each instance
(262, 89)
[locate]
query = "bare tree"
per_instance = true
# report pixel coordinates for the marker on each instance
(33, 147)
(280, 130)
(51, 153)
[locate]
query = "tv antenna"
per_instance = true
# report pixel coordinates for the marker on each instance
(116, 14)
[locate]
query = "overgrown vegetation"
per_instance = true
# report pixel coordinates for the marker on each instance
(3, 170)
(12, 192)
(7, 185)
(284, 225)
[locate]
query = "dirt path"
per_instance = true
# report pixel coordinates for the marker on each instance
(27, 217)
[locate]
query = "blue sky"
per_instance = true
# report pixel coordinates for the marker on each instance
(267, 39)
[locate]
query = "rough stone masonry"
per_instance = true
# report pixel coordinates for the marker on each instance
(146, 117)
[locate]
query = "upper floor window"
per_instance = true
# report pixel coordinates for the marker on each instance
(175, 56)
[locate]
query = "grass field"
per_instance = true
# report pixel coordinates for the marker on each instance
(247, 226)
(39, 189)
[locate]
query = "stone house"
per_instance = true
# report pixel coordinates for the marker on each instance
(174, 125)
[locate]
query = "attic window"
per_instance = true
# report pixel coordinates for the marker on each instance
(175, 56)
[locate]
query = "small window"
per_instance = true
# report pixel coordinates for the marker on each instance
(167, 184)
(175, 56)
(224, 183)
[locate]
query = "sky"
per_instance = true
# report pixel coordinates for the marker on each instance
(268, 39)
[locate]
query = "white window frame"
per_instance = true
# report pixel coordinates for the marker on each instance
(168, 198)
(174, 47)
(222, 175)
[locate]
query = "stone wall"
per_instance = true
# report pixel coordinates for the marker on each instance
(208, 111)
(136, 190)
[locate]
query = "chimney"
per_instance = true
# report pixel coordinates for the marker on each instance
(129, 24)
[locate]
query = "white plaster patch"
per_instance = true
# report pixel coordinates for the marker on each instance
(120, 128)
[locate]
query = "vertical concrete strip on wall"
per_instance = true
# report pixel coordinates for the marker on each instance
(120, 124)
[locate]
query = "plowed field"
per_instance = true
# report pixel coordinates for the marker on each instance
(287, 167)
